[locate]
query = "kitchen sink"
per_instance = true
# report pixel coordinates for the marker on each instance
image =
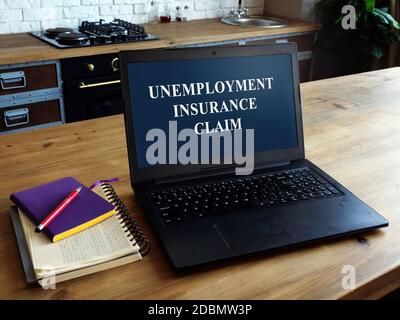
(255, 22)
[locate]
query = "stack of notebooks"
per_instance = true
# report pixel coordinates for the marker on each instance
(94, 233)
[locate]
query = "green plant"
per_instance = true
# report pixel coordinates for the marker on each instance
(375, 30)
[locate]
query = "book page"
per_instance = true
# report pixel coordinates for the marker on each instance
(95, 268)
(102, 242)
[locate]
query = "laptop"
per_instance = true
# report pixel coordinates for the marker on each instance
(204, 201)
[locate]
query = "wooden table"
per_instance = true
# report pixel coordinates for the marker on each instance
(352, 130)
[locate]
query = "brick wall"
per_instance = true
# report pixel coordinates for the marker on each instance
(30, 15)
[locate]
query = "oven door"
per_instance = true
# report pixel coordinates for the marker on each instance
(93, 98)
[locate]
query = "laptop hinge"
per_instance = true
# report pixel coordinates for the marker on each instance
(213, 172)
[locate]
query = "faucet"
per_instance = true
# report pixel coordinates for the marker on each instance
(241, 11)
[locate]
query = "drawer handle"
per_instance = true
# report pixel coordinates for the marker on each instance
(17, 117)
(82, 85)
(12, 80)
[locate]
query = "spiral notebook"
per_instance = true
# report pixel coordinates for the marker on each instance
(111, 243)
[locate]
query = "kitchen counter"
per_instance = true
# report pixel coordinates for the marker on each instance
(23, 47)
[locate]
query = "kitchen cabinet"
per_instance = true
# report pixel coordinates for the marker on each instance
(30, 115)
(304, 42)
(30, 96)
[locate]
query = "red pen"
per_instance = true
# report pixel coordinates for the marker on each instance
(58, 209)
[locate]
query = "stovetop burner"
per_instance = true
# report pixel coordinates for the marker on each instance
(72, 38)
(95, 33)
(52, 33)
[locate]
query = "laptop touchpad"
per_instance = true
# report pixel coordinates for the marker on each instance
(247, 231)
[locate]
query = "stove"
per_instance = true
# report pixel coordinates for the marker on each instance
(95, 34)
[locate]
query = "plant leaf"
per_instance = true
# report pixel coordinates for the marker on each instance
(369, 5)
(387, 18)
(385, 9)
(377, 52)
(380, 16)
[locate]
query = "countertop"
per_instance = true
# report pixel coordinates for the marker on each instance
(351, 131)
(23, 47)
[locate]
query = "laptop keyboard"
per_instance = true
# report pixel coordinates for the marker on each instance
(182, 204)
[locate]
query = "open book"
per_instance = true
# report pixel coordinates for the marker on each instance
(108, 244)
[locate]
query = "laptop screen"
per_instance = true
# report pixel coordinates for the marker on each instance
(210, 96)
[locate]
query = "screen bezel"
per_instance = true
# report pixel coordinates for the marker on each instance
(139, 175)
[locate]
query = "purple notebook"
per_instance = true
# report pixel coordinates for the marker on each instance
(86, 210)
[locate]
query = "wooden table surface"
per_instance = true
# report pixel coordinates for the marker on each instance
(352, 130)
(23, 47)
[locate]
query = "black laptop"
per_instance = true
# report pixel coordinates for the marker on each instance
(205, 202)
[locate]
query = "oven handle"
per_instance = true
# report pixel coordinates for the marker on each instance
(82, 85)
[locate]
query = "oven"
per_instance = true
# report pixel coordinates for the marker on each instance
(91, 87)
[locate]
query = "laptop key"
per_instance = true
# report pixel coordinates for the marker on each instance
(333, 190)
(316, 194)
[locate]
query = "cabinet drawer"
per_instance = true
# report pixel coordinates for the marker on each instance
(28, 78)
(305, 42)
(29, 115)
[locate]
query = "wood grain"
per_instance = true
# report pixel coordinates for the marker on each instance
(22, 47)
(351, 130)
